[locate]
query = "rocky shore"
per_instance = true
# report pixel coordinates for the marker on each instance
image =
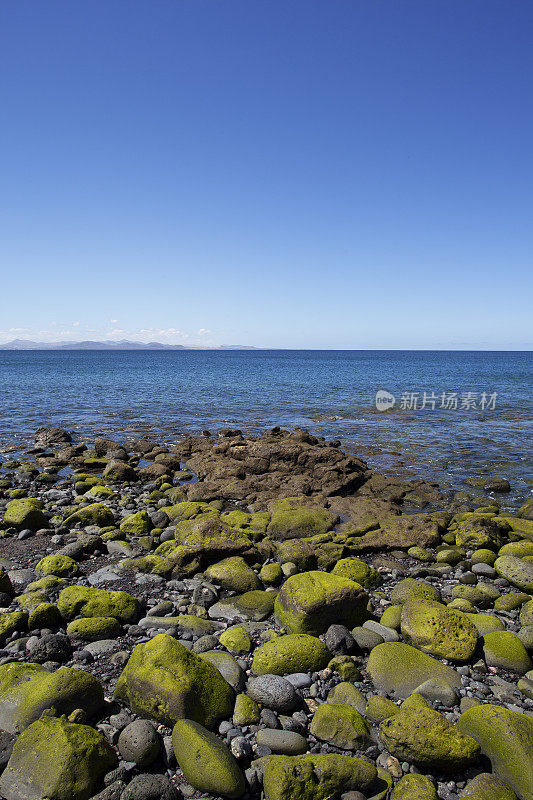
(258, 616)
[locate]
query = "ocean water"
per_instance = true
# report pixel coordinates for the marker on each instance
(477, 418)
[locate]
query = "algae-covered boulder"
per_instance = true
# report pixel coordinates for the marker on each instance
(438, 630)
(516, 571)
(398, 669)
(310, 602)
(407, 530)
(92, 629)
(88, 601)
(357, 570)
(414, 787)
(166, 682)
(477, 532)
(422, 736)
(61, 566)
(227, 666)
(26, 690)
(413, 589)
(256, 605)
(295, 652)
(205, 761)
(138, 524)
(315, 777)
(235, 574)
(506, 737)
(346, 693)
(12, 621)
(340, 725)
(486, 786)
(25, 513)
(93, 514)
(236, 640)
(56, 760)
(505, 650)
(45, 615)
(291, 520)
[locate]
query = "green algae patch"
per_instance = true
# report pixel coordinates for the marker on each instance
(45, 615)
(357, 570)
(486, 786)
(87, 601)
(398, 669)
(339, 725)
(413, 589)
(25, 513)
(56, 760)
(92, 629)
(236, 640)
(166, 682)
(438, 630)
(235, 574)
(310, 602)
(60, 566)
(296, 652)
(414, 787)
(289, 520)
(138, 524)
(315, 777)
(93, 514)
(12, 621)
(27, 690)
(206, 762)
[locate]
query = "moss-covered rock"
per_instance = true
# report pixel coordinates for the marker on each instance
(505, 650)
(413, 589)
(12, 621)
(506, 737)
(526, 613)
(61, 566)
(150, 564)
(5, 582)
(346, 693)
(205, 761)
(516, 571)
(92, 629)
(392, 617)
(291, 520)
(339, 725)
(166, 682)
(292, 653)
(57, 760)
(93, 514)
(236, 640)
(475, 532)
(230, 670)
(398, 669)
(379, 708)
(310, 602)
(254, 524)
(87, 601)
(246, 711)
(271, 574)
(99, 492)
(138, 524)
(405, 531)
(438, 630)
(25, 513)
(315, 777)
(26, 690)
(45, 615)
(422, 736)
(486, 786)
(30, 600)
(233, 573)
(414, 787)
(357, 570)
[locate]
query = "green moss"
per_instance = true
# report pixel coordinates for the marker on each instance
(505, 650)
(205, 761)
(413, 589)
(379, 708)
(398, 669)
(57, 565)
(516, 571)
(439, 630)
(339, 725)
(254, 524)
(236, 640)
(414, 787)
(345, 667)
(166, 682)
(92, 629)
(138, 524)
(100, 492)
(357, 571)
(86, 601)
(271, 574)
(233, 573)
(30, 600)
(392, 616)
(27, 690)
(315, 777)
(290, 520)
(12, 621)
(347, 694)
(46, 584)
(25, 513)
(246, 711)
(45, 615)
(291, 653)
(57, 760)
(93, 514)
(190, 510)
(486, 786)
(312, 601)
(152, 564)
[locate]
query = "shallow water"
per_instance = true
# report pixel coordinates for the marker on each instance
(164, 394)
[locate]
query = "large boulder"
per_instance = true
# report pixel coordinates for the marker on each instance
(93, 514)
(414, 787)
(398, 669)
(26, 690)
(138, 524)
(505, 650)
(340, 725)
(438, 630)
(235, 574)
(358, 571)
(506, 737)
(88, 601)
(315, 777)
(205, 761)
(25, 513)
(408, 530)
(516, 571)
(486, 786)
(56, 760)
(166, 682)
(296, 652)
(310, 602)
(291, 520)
(420, 735)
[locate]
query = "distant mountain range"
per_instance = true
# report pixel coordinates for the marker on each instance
(123, 344)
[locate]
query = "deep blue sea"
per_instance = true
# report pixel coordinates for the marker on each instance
(477, 419)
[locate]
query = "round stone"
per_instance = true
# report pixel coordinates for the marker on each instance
(139, 742)
(274, 692)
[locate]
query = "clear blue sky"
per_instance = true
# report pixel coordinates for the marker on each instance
(337, 174)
